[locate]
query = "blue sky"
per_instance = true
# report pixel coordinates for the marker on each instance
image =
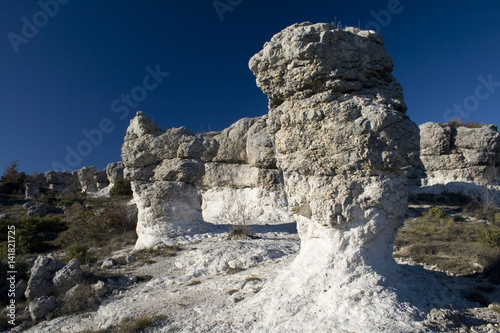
(67, 66)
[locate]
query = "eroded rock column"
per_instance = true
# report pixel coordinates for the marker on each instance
(345, 145)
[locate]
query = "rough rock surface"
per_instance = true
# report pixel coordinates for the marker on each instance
(49, 279)
(40, 307)
(181, 180)
(114, 171)
(344, 144)
(42, 273)
(67, 277)
(459, 153)
(86, 176)
(32, 191)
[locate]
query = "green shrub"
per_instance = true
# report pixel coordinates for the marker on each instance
(121, 187)
(97, 229)
(80, 252)
(436, 212)
(32, 233)
(490, 237)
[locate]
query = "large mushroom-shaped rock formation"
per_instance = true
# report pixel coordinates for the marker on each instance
(345, 146)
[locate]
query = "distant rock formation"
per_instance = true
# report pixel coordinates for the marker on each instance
(460, 154)
(87, 179)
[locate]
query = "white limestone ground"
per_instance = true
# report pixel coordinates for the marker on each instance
(192, 288)
(192, 292)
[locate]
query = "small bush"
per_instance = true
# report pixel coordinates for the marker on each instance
(31, 233)
(121, 187)
(82, 298)
(490, 237)
(133, 325)
(459, 123)
(436, 212)
(80, 252)
(240, 232)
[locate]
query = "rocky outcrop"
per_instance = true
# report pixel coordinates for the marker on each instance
(181, 180)
(60, 181)
(460, 153)
(50, 279)
(114, 171)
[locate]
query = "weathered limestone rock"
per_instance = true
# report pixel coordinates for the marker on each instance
(52, 277)
(86, 176)
(114, 171)
(180, 180)
(61, 180)
(345, 146)
(42, 273)
(67, 277)
(32, 191)
(460, 154)
(42, 306)
(39, 210)
(101, 179)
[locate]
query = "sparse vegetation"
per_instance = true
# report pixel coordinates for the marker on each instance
(435, 212)
(239, 215)
(459, 123)
(490, 237)
(80, 252)
(81, 298)
(460, 241)
(121, 187)
(133, 325)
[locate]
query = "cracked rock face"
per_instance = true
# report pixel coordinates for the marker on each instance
(181, 180)
(340, 131)
(460, 154)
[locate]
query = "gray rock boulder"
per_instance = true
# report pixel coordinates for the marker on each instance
(67, 277)
(42, 273)
(101, 179)
(60, 181)
(41, 307)
(166, 209)
(174, 171)
(39, 210)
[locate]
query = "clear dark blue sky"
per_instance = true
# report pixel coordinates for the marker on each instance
(64, 70)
